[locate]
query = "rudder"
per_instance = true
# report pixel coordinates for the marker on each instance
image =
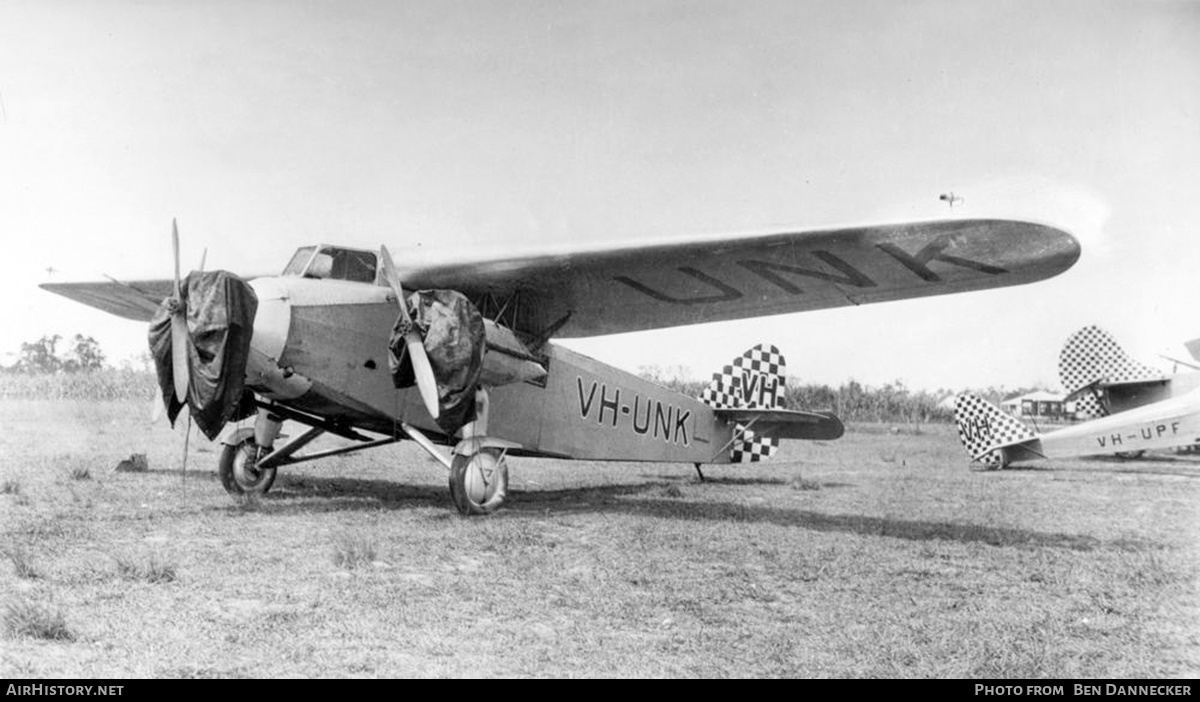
(754, 380)
(985, 430)
(1092, 354)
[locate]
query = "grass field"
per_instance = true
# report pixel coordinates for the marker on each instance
(878, 555)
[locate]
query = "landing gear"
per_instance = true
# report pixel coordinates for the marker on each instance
(479, 482)
(1130, 455)
(239, 470)
(478, 473)
(477, 466)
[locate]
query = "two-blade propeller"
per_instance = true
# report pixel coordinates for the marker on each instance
(179, 330)
(412, 339)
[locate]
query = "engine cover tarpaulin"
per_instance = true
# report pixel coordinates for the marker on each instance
(455, 342)
(220, 321)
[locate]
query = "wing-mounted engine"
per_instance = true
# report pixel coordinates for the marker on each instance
(452, 333)
(442, 344)
(465, 352)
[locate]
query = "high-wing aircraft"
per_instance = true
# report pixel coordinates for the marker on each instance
(341, 343)
(1136, 408)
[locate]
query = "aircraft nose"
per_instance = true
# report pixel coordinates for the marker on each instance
(273, 320)
(272, 324)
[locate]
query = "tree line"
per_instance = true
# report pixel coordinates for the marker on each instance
(80, 354)
(851, 401)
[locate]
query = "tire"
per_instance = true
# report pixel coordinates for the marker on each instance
(239, 475)
(1130, 455)
(491, 470)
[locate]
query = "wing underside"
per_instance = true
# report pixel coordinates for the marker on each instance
(135, 300)
(626, 289)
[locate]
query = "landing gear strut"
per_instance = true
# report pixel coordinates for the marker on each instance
(478, 473)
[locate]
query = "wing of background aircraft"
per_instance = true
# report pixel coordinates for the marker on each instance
(617, 289)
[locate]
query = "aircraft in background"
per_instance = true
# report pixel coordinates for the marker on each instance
(1103, 379)
(340, 343)
(1135, 408)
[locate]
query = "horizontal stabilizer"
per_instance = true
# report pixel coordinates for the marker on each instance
(785, 424)
(1099, 385)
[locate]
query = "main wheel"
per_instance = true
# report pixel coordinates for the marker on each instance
(1130, 455)
(239, 471)
(479, 483)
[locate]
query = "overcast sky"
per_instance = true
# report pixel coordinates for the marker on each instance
(263, 126)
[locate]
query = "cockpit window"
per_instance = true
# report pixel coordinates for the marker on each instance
(299, 260)
(332, 263)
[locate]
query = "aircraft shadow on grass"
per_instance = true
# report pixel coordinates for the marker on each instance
(306, 494)
(751, 480)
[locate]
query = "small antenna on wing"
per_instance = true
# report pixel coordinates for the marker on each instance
(950, 198)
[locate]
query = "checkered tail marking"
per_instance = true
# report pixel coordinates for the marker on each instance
(1092, 354)
(982, 426)
(754, 380)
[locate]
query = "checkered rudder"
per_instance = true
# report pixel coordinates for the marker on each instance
(755, 380)
(1092, 354)
(982, 426)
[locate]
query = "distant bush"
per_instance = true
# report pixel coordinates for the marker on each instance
(43, 355)
(104, 384)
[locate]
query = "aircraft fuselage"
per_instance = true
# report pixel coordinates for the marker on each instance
(321, 346)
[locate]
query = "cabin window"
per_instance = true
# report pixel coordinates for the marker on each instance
(334, 264)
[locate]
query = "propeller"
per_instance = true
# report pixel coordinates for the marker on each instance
(179, 332)
(412, 340)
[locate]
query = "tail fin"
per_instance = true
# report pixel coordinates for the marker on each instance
(1091, 355)
(985, 430)
(754, 380)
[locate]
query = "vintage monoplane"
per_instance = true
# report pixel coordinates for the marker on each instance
(339, 342)
(1134, 407)
(1104, 379)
